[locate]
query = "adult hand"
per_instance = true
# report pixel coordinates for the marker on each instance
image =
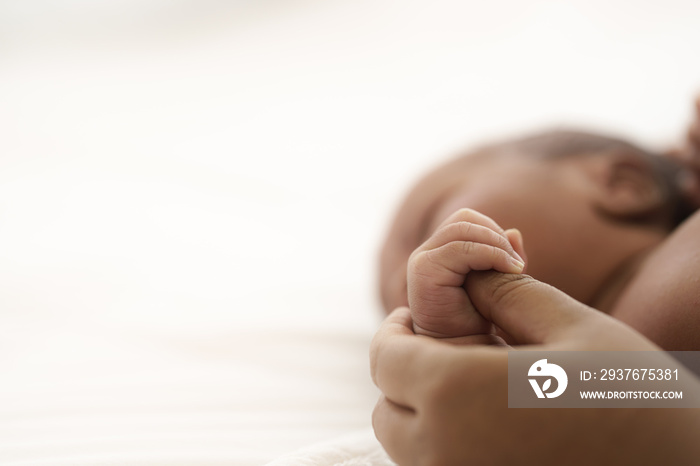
(446, 404)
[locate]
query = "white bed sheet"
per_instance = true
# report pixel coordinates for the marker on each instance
(85, 394)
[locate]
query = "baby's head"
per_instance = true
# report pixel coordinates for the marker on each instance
(588, 207)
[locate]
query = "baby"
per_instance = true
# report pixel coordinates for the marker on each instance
(599, 217)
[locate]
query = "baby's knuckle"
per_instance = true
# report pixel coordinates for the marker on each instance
(446, 230)
(464, 213)
(503, 242)
(413, 262)
(412, 257)
(465, 229)
(430, 257)
(468, 247)
(420, 262)
(496, 253)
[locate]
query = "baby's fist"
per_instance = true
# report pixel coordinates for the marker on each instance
(466, 241)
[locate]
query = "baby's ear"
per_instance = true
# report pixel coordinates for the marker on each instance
(630, 190)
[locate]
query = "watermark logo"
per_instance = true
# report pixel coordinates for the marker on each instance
(603, 379)
(547, 371)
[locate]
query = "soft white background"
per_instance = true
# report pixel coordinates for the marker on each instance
(192, 194)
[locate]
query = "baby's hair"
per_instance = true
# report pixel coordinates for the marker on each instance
(566, 143)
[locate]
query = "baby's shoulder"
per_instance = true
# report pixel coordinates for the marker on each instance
(663, 299)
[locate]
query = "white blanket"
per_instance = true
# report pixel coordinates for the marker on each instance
(80, 394)
(358, 449)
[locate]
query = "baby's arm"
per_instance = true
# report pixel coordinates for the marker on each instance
(466, 241)
(663, 300)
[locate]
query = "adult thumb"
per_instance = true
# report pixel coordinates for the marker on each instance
(529, 311)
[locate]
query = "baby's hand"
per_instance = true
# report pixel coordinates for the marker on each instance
(466, 241)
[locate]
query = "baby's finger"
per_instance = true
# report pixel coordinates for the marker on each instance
(516, 240)
(448, 264)
(472, 232)
(472, 216)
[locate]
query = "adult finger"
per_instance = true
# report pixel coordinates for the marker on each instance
(528, 310)
(483, 339)
(401, 361)
(395, 427)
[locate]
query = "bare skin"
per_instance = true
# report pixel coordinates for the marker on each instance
(664, 286)
(446, 404)
(443, 403)
(553, 204)
(663, 298)
(622, 269)
(437, 270)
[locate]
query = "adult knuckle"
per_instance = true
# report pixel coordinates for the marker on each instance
(437, 392)
(440, 385)
(374, 358)
(376, 412)
(509, 288)
(377, 354)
